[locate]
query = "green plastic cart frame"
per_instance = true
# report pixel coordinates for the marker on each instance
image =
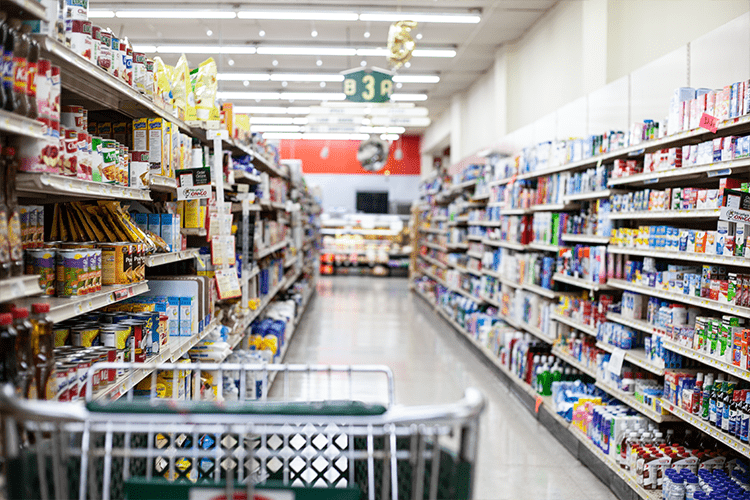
(146, 448)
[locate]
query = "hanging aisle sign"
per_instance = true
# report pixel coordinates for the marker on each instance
(368, 85)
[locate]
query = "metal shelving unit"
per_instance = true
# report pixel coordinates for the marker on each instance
(13, 124)
(582, 283)
(60, 186)
(20, 287)
(159, 259)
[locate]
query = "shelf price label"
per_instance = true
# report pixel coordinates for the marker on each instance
(368, 85)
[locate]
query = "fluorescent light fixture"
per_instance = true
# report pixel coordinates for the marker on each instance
(282, 135)
(296, 15)
(408, 97)
(314, 96)
(272, 110)
(306, 51)
(241, 77)
(373, 52)
(205, 49)
(391, 17)
(266, 96)
(306, 77)
(175, 14)
(416, 78)
(434, 53)
(149, 49)
(316, 137)
(275, 128)
(382, 130)
(389, 137)
(101, 14)
(272, 120)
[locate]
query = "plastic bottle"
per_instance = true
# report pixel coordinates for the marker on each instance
(20, 68)
(15, 242)
(3, 31)
(546, 381)
(44, 358)
(745, 420)
(691, 486)
(8, 372)
(33, 60)
(7, 67)
(24, 358)
(4, 244)
(557, 371)
(708, 387)
(535, 372)
(695, 408)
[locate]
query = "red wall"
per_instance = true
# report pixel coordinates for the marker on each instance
(342, 157)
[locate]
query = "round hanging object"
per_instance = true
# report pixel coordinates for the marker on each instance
(373, 154)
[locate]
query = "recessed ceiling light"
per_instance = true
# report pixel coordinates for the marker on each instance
(399, 85)
(407, 64)
(367, 34)
(363, 63)
(322, 84)
(246, 83)
(314, 33)
(275, 62)
(261, 33)
(319, 63)
(209, 32)
(230, 62)
(419, 36)
(284, 84)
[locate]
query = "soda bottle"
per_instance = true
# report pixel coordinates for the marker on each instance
(20, 69)
(33, 59)
(24, 358)
(7, 348)
(4, 246)
(6, 32)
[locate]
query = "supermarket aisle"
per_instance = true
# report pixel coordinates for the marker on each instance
(368, 320)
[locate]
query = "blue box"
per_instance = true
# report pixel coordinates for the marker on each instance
(154, 224)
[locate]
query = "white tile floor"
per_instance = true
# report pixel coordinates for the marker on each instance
(356, 320)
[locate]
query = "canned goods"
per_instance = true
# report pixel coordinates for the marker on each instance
(61, 333)
(70, 266)
(42, 263)
(136, 351)
(61, 383)
(85, 335)
(72, 370)
(113, 263)
(80, 38)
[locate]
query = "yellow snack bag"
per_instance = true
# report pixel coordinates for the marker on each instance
(180, 85)
(163, 85)
(205, 85)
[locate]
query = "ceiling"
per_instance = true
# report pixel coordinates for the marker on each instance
(474, 44)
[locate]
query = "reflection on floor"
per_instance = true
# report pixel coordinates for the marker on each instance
(366, 320)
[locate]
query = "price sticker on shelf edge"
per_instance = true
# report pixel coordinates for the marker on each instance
(228, 283)
(710, 123)
(193, 183)
(616, 360)
(203, 493)
(368, 85)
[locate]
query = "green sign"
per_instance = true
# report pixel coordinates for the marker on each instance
(368, 85)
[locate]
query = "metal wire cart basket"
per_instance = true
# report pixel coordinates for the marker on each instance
(174, 436)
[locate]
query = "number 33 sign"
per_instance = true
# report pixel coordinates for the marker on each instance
(368, 85)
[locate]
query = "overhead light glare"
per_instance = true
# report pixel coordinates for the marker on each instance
(272, 110)
(275, 128)
(306, 77)
(306, 51)
(391, 17)
(434, 53)
(239, 77)
(149, 49)
(175, 14)
(416, 78)
(101, 14)
(296, 15)
(408, 97)
(205, 49)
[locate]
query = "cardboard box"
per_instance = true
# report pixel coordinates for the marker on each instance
(154, 224)
(168, 230)
(186, 318)
(140, 134)
(160, 146)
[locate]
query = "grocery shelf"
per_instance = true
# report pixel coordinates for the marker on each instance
(11, 123)
(439, 218)
(261, 162)
(673, 346)
(262, 252)
(474, 237)
(534, 331)
(435, 246)
(433, 231)
(459, 221)
(708, 213)
(555, 207)
(20, 287)
(468, 271)
(244, 177)
(291, 262)
(180, 346)
(435, 278)
(460, 246)
(70, 187)
(24, 9)
(62, 308)
(591, 195)
(540, 290)
(590, 330)
(676, 255)
(163, 183)
(480, 197)
(685, 299)
(544, 247)
(490, 301)
(466, 294)
(631, 401)
(710, 169)
(462, 185)
(584, 238)
(505, 244)
(485, 223)
(159, 259)
(79, 76)
(475, 255)
(706, 427)
(638, 324)
(635, 357)
(194, 231)
(515, 211)
(500, 182)
(588, 285)
(560, 353)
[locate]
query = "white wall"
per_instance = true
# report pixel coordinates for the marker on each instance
(341, 190)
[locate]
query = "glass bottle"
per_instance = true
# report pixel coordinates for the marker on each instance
(20, 69)
(24, 357)
(33, 59)
(4, 245)
(7, 348)
(44, 357)
(15, 243)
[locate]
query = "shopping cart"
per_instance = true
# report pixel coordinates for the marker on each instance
(313, 440)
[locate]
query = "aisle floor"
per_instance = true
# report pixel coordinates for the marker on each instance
(361, 320)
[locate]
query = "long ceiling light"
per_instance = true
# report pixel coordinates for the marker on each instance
(284, 50)
(316, 137)
(288, 15)
(305, 96)
(175, 14)
(408, 97)
(391, 17)
(278, 120)
(314, 77)
(272, 110)
(101, 14)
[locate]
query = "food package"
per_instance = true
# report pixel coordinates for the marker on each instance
(204, 86)
(181, 86)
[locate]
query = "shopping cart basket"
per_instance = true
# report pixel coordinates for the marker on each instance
(313, 441)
